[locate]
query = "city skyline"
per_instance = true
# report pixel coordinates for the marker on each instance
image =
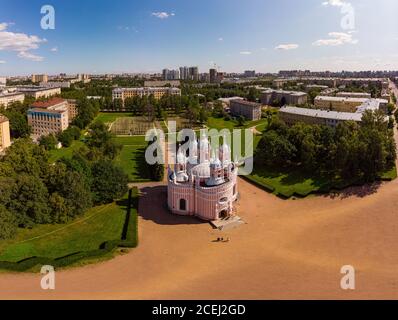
(134, 37)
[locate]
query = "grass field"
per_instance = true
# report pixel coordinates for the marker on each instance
(132, 160)
(111, 117)
(287, 183)
(98, 225)
(65, 152)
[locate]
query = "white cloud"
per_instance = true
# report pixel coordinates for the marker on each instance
(2, 62)
(290, 46)
(220, 39)
(19, 42)
(163, 15)
(246, 53)
(336, 39)
(29, 56)
(55, 49)
(335, 3)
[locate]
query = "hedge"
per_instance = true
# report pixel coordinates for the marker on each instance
(129, 239)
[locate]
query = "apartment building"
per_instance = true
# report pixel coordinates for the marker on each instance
(342, 104)
(293, 115)
(37, 78)
(157, 83)
(39, 92)
(5, 140)
(3, 82)
(56, 84)
(158, 93)
(363, 95)
(73, 110)
(7, 98)
(49, 117)
(284, 97)
(250, 110)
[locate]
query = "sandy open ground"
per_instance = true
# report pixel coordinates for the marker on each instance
(287, 249)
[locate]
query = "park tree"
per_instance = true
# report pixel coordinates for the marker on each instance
(18, 123)
(274, 150)
(109, 182)
(8, 224)
(48, 142)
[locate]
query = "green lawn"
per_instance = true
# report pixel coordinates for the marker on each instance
(65, 152)
(111, 117)
(87, 233)
(132, 160)
(131, 141)
(287, 183)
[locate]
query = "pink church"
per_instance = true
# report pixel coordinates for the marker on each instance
(203, 186)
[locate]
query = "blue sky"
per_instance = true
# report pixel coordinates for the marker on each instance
(98, 36)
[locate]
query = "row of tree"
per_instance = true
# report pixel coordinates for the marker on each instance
(351, 151)
(34, 191)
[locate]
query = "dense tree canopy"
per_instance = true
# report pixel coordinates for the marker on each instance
(352, 151)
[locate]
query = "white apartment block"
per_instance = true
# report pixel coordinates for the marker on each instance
(343, 104)
(3, 82)
(7, 98)
(39, 92)
(364, 95)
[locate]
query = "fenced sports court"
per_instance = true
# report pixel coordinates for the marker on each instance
(131, 126)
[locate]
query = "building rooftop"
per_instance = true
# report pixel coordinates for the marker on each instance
(10, 94)
(324, 114)
(247, 103)
(353, 93)
(293, 93)
(44, 110)
(35, 88)
(47, 104)
(146, 89)
(341, 99)
(3, 118)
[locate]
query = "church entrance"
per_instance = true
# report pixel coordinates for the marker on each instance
(224, 214)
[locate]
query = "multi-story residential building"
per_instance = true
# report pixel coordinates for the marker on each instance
(293, 115)
(7, 98)
(250, 74)
(39, 92)
(269, 96)
(250, 110)
(55, 84)
(49, 117)
(158, 93)
(5, 140)
(36, 78)
(213, 75)
(73, 110)
(3, 82)
(364, 95)
(193, 74)
(342, 104)
(157, 83)
(184, 73)
(170, 74)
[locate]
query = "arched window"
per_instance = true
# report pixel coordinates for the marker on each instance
(183, 205)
